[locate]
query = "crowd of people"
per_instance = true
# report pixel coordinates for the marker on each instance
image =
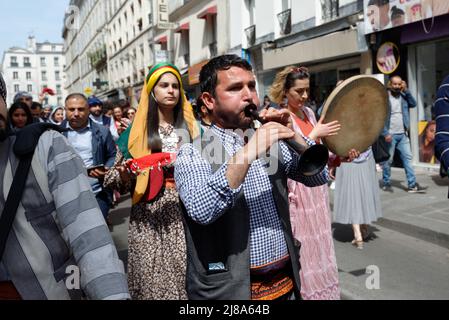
(203, 225)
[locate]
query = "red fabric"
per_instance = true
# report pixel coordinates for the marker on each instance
(155, 162)
(156, 183)
(49, 91)
(8, 291)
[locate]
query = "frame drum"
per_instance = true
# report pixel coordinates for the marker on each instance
(360, 104)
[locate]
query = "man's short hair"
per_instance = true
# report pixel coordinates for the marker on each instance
(36, 105)
(378, 3)
(395, 76)
(209, 72)
(76, 95)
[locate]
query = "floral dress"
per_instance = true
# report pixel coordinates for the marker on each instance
(156, 239)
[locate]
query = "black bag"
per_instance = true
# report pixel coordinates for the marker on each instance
(381, 150)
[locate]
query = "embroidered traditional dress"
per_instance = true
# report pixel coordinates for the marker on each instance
(311, 223)
(156, 240)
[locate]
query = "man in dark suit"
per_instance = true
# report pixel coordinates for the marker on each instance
(94, 145)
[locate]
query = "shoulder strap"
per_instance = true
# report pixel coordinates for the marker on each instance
(13, 200)
(26, 142)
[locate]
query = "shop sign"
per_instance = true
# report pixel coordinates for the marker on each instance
(161, 56)
(163, 21)
(88, 91)
(388, 58)
(385, 14)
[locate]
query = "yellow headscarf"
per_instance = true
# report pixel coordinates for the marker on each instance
(138, 137)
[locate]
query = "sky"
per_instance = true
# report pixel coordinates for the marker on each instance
(21, 18)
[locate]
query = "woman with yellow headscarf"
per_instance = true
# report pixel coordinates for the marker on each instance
(156, 240)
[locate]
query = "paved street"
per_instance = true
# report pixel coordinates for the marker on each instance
(410, 248)
(409, 268)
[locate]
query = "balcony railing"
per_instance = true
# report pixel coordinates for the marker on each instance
(251, 35)
(14, 64)
(98, 58)
(330, 9)
(213, 49)
(285, 21)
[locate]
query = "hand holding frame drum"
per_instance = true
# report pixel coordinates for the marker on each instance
(360, 104)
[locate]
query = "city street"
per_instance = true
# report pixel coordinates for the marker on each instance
(410, 247)
(129, 83)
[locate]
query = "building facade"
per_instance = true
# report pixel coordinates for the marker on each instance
(85, 45)
(110, 45)
(323, 35)
(411, 39)
(31, 69)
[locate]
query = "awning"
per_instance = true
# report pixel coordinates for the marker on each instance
(183, 27)
(212, 11)
(162, 39)
(335, 45)
(194, 73)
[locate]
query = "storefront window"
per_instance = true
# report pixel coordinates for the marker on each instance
(321, 86)
(432, 67)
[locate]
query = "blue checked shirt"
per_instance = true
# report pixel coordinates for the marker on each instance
(207, 195)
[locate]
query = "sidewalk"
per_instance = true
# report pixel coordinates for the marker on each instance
(423, 216)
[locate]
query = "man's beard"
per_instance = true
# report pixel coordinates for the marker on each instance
(395, 92)
(96, 114)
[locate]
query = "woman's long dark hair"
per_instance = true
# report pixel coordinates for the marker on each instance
(154, 139)
(426, 153)
(20, 105)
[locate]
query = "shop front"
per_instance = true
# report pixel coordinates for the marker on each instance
(416, 48)
(343, 57)
(191, 80)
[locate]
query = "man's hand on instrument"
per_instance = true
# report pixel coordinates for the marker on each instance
(322, 130)
(280, 116)
(265, 137)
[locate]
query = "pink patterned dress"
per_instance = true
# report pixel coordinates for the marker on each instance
(311, 225)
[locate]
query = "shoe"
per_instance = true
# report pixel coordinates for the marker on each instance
(387, 188)
(417, 189)
(358, 244)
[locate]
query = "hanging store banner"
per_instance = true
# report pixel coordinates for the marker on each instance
(385, 14)
(163, 21)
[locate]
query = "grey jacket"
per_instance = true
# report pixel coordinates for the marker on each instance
(59, 231)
